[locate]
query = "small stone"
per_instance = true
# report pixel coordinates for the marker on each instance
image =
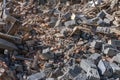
(64, 32)
(74, 71)
(116, 68)
(81, 76)
(107, 21)
(110, 52)
(50, 79)
(67, 16)
(37, 76)
(58, 35)
(93, 74)
(53, 21)
(86, 35)
(105, 46)
(108, 16)
(47, 54)
(115, 43)
(97, 44)
(94, 56)
(87, 64)
(105, 68)
(56, 73)
(30, 42)
(117, 58)
(42, 2)
(69, 23)
(73, 16)
(101, 15)
(82, 19)
(100, 22)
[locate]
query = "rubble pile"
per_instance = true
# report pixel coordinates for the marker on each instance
(59, 40)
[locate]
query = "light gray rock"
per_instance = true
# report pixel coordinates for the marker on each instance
(81, 76)
(74, 71)
(110, 52)
(94, 56)
(36, 76)
(50, 79)
(93, 74)
(116, 68)
(105, 68)
(115, 43)
(105, 46)
(117, 58)
(87, 64)
(69, 23)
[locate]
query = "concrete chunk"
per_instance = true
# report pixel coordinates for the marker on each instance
(105, 68)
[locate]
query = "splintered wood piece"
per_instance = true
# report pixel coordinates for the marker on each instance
(35, 61)
(77, 30)
(10, 38)
(7, 45)
(12, 30)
